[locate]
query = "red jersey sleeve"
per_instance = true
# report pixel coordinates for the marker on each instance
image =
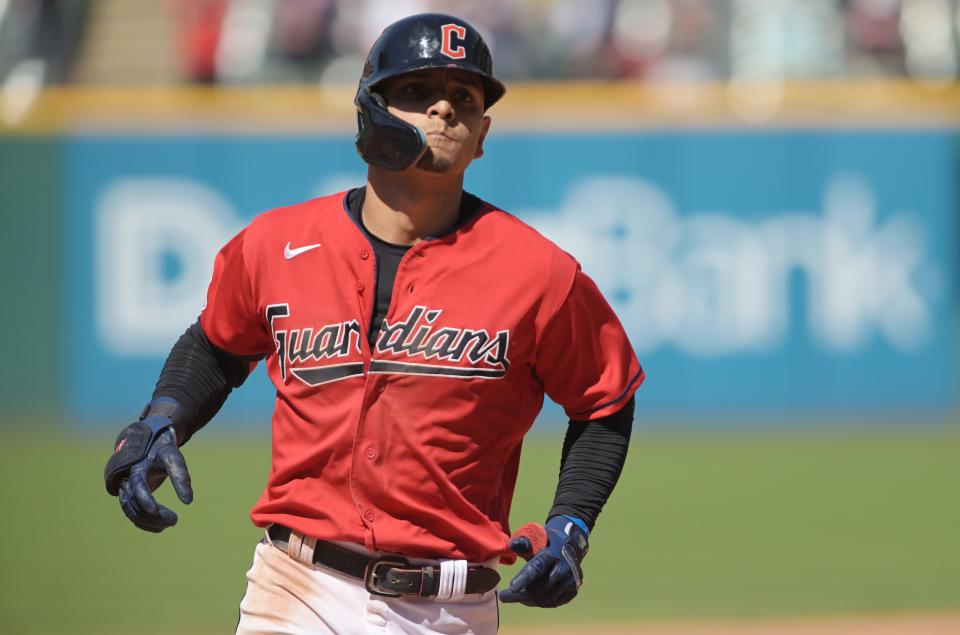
(231, 318)
(585, 359)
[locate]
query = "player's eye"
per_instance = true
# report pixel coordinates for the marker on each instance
(412, 89)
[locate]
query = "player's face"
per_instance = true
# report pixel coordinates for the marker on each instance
(448, 106)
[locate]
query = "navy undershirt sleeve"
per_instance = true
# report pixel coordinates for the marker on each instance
(199, 376)
(590, 464)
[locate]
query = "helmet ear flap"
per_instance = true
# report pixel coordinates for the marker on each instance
(384, 139)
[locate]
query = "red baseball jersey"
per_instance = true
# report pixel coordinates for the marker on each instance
(411, 447)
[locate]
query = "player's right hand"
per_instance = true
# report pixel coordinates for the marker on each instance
(145, 454)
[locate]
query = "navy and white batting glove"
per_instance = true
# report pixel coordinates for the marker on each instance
(144, 455)
(552, 575)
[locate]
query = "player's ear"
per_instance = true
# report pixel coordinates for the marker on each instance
(484, 129)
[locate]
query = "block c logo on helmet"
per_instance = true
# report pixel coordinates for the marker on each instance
(446, 41)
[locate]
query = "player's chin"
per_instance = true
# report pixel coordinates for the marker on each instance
(437, 162)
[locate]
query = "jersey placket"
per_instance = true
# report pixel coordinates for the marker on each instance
(366, 297)
(365, 454)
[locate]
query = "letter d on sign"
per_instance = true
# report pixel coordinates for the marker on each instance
(140, 225)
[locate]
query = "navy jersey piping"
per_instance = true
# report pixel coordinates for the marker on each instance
(619, 397)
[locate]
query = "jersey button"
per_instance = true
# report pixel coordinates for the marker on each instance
(368, 515)
(371, 453)
(381, 387)
(364, 254)
(359, 287)
(411, 287)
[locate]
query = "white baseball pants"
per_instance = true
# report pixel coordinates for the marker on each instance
(287, 597)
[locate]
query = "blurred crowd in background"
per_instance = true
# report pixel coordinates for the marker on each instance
(310, 41)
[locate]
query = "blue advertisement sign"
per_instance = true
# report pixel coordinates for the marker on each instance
(755, 271)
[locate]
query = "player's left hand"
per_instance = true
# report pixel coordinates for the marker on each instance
(552, 575)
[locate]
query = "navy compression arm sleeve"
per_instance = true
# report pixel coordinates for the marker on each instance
(590, 464)
(199, 376)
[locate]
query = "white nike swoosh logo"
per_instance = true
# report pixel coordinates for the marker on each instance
(293, 253)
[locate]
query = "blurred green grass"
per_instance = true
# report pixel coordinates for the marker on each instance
(699, 527)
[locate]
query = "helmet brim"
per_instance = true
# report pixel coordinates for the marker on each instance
(493, 89)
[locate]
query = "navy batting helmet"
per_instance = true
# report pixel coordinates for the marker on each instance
(428, 40)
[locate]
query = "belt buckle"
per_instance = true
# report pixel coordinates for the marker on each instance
(370, 574)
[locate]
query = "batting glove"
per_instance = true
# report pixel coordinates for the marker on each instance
(145, 454)
(552, 575)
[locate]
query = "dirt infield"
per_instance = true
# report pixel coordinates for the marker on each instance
(873, 625)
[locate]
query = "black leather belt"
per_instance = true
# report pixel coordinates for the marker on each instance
(391, 576)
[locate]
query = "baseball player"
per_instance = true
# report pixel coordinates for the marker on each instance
(411, 330)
